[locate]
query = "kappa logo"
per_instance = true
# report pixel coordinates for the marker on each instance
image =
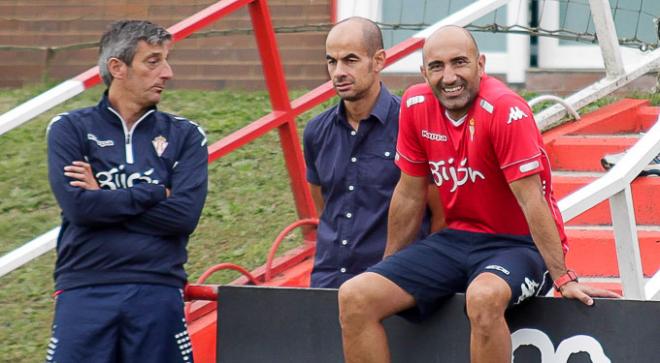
(100, 143)
(515, 114)
(54, 120)
(414, 100)
(199, 128)
(567, 347)
(433, 136)
(528, 289)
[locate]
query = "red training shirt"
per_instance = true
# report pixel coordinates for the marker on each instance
(472, 163)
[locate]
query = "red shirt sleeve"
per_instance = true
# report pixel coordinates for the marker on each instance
(515, 138)
(410, 154)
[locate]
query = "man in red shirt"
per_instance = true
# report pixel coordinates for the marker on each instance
(504, 240)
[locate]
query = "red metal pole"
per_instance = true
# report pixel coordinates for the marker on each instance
(299, 105)
(279, 98)
(205, 17)
(333, 11)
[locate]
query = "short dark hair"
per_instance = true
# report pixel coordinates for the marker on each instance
(371, 33)
(121, 39)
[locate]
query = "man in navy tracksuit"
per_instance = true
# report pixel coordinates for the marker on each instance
(131, 182)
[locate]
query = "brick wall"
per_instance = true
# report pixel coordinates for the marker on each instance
(216, 62)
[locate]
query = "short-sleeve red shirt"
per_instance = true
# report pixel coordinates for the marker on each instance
(472, 163)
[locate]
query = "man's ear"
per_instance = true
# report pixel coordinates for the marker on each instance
(481, 62)
(117, 68)
(422, 70)
(379, 60)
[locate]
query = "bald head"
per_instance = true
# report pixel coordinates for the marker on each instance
(451, 35)
(354, 55)
(369, 32)
(453, 68)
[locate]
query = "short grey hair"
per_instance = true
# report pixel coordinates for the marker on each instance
(121, 39)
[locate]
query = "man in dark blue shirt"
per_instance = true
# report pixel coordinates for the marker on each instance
(131, 182)
(349, 152)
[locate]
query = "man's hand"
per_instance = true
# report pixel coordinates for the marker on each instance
(82, 172)
(582, 292)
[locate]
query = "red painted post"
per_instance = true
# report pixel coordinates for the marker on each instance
(205, 17)
(333, 11)
(279, 98)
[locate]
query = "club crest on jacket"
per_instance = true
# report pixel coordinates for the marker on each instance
(160, 144)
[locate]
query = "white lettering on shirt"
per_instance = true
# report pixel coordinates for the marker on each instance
(433, 136)
(100, 143)
(117, 178)
(445, 171)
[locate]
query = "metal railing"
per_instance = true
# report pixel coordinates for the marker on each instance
(282, 116)
(615, 185)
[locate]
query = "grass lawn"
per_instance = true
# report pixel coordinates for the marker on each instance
(249, 202)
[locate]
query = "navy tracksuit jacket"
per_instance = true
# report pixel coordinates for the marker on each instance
(127, 232)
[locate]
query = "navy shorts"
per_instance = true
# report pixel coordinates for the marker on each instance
(120, 323)
(446, 262)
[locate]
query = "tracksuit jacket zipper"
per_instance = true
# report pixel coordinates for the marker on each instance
(128, 134)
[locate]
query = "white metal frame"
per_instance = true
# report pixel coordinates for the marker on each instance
(513, 62)
(552, 55)
(28, 251)
(570, 109)
(647, 63)
(40, 104)
(370, 9)
(615, 186)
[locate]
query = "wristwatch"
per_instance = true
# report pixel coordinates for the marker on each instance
(562, 280)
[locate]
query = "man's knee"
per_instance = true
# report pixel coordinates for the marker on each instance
(487, 298)
(354, 300)
(361, 299)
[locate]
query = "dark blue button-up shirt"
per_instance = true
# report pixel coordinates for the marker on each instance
(357, 175)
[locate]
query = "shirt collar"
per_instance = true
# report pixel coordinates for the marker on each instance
(380, 110)
(105, 106)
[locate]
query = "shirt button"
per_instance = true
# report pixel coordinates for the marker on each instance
(353, 159)
(349, 215)
(344, 242)
(342, 270)
(387, 153)
(350, 187)
(353, 133)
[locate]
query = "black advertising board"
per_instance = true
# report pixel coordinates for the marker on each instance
(257, 324)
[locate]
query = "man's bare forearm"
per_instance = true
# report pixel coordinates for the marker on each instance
(541, 224)
(406, 213)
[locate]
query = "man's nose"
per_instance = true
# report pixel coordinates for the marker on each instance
(448, 75)
(167, 72)
(339, 71)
